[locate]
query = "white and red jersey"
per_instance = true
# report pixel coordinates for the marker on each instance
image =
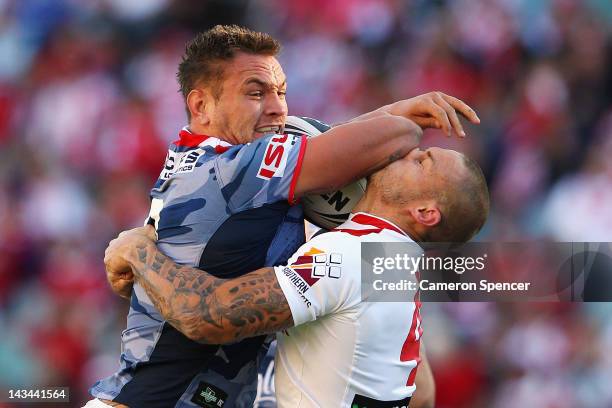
(343, 350)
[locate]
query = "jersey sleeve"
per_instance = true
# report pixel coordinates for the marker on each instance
(261, 172)
(318, 282)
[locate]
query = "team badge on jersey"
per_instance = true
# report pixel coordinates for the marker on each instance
(316, 264)
(313, 265)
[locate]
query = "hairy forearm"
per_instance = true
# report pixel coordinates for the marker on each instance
(208, 309)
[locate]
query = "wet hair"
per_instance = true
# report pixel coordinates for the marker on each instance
(206, 54)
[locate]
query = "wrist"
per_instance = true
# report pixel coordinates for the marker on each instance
(139, 254)
(388, 109)
(403, 108)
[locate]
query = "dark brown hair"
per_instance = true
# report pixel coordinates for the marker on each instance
(206, 54)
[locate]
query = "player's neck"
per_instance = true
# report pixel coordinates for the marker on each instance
(200, 129)
(372, 205)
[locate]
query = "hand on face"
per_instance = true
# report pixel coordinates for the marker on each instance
(118, 254)
(435, 110)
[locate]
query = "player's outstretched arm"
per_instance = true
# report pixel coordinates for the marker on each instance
(371, 141)
(354, 150)
(202, 307)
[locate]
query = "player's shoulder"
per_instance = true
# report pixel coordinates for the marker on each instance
(335, 240)
(333, 249)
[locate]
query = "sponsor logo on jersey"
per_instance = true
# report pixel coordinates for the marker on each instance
(180, 162)
(188, 161)
(209, 396)
(313, 265)
(274, 160)
(168, 169)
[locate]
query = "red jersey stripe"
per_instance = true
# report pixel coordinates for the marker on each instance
(188, 139)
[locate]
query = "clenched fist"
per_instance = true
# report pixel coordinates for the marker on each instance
(118, 255)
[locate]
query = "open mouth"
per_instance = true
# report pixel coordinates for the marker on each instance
(269, 129)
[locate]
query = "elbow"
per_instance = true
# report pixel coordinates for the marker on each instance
(209, 336)
(205, 335)
(205, 332)
(197, 335)
(196, 329)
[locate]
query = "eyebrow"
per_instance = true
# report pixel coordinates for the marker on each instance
(263, 84)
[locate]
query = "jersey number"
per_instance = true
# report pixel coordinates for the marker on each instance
(410, 349)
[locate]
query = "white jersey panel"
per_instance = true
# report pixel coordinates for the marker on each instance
(342, 346)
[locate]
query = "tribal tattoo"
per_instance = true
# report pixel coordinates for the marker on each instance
(208, 309)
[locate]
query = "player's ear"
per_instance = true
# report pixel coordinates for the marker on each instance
(199, 103)
(426, 214)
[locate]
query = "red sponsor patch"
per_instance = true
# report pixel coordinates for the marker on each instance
(275, 158)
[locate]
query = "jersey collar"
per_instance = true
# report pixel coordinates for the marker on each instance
(190, 140)
(364, 223)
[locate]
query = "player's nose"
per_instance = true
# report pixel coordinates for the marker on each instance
(276, 105)
(417, 153)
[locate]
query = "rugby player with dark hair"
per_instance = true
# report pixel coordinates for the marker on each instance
(224, 202)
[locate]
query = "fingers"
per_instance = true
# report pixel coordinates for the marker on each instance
(429, 122)
(441, 117)
(451, 114)
(122, 287)
(461, 107)
(130, 238)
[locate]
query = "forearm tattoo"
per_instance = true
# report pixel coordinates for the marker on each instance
(208, 309)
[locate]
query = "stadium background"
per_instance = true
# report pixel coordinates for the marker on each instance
(88, 102)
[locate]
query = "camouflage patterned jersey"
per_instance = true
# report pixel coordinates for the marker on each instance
(227, 210)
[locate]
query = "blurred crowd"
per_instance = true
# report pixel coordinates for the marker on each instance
(89, 102)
